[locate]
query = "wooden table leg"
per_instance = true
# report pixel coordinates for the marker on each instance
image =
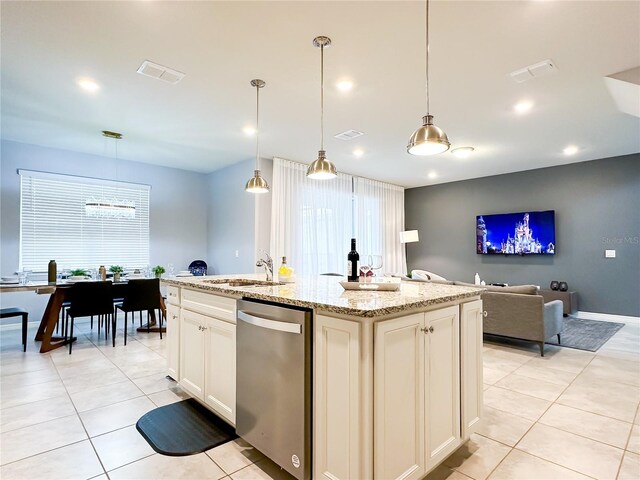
(48, 323)
(45, 316)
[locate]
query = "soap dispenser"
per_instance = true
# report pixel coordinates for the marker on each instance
(285, 273)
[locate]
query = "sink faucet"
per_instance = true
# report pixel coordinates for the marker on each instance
(267, 263)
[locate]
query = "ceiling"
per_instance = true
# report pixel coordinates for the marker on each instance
(197, 124)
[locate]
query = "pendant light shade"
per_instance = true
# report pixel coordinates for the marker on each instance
(257, 184)
(321, 168)
(428, 139)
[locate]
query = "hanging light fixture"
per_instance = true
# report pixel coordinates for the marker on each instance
(257, 184)
(321, 168)
(428, 139)
(110, 207)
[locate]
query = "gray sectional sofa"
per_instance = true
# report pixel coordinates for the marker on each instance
(514, 312)
(519, 312)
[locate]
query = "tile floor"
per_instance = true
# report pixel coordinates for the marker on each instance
(569, 415)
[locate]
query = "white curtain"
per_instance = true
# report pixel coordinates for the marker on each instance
(379, 220)
(311, 220)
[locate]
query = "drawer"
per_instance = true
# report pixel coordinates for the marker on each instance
(216, 306)
(173, 313)
(173, 295)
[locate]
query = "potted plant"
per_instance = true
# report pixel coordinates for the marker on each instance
(158, 270)
(78, 274)
(117, 271)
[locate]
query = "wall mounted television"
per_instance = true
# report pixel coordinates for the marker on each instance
(521, 233)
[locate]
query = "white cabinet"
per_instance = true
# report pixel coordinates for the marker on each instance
(208, 351)
(338, 399)
(399, 406)
(173, 341)
(192, 356)
(442, 384)
(220, 368)
(471, 316)
(417, 393)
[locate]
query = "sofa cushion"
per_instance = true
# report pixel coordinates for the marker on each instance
(522, 289)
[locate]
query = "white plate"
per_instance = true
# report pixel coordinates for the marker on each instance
(373, 286)
(184, 275)
(9, 282)
(10, 279)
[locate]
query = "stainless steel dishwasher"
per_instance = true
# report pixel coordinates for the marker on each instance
(273, 383)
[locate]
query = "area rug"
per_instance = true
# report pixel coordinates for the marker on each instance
(184, 428)
(584, 334)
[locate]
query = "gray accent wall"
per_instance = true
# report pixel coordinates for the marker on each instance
(597, 205)
(178, 206)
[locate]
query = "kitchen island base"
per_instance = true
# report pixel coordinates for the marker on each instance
(394, 394)
(399, 413)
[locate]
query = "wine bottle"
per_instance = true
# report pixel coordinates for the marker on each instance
(353, 267)
(52, 272)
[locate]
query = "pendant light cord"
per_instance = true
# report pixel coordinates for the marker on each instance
(322, 97)
(257, 127)
(427, 49)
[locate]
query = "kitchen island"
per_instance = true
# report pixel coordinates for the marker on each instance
(397, 376)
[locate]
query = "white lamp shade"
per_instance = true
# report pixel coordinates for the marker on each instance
(409, 236)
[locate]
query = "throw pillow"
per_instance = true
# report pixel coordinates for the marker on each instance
(426, 276)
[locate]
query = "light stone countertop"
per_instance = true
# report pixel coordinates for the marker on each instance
(325, 294)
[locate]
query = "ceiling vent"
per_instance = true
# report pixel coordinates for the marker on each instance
(532, 71)
(348, 135)
(160, 72)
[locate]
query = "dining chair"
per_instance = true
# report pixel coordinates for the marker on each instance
(140, 296)
(18, 312)
(88, 299)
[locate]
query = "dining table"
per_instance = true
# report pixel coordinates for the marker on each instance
(58, 294)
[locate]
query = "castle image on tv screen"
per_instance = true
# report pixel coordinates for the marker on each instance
(526, 233)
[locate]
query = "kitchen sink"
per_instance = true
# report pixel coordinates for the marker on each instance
(242, 282)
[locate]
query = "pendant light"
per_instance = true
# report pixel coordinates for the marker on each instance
(321, 168)
(428, 139)
(257, 184)
(112, 206)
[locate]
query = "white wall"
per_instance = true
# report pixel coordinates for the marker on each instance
(178, 206)
(232, 225)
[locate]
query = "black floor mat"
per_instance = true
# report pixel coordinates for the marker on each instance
(184, 428)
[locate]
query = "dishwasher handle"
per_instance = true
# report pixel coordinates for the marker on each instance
(269, 324)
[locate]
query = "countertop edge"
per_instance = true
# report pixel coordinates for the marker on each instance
(239, 292)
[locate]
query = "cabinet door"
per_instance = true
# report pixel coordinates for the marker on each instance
(220, 368)
(471, 366)
(442, 384)
(399, 398)
(173, 341)
(192, 352)
(338, 400)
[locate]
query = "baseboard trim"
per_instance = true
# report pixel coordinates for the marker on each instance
(607, 317)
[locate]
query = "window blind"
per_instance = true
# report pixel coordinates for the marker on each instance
(55, 222)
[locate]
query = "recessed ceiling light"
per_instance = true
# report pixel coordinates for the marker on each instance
(570, 150)
(523, 107)
(463, 152)
(358, 152)
(432, 175)
(344, 85)
(88, 84)
(249, 131)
